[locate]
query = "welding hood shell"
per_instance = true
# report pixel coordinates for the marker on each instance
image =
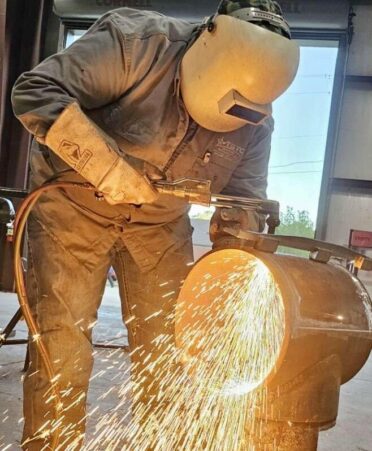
(235, 68)
(327, 332)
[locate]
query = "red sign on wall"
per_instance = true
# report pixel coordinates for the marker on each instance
(360, 238)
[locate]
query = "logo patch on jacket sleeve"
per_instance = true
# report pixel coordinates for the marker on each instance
(73, 155)
(228, 150)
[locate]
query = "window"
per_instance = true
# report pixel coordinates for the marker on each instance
(299, 140)
(72, 36)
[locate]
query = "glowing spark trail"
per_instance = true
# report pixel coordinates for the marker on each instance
(230, 330)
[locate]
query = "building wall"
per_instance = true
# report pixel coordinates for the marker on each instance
(350, 199)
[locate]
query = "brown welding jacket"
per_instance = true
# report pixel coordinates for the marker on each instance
(124, 73)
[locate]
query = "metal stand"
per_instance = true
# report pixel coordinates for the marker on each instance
(7, 332)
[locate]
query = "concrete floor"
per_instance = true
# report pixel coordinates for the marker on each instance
(353, 431)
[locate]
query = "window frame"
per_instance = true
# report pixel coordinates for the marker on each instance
(342, 37)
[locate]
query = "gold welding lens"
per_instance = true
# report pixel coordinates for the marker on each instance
(230, 322)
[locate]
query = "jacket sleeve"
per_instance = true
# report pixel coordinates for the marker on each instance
(250, 177)
(91, 72)
(248, 180)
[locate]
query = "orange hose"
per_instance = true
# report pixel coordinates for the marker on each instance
(20, 223)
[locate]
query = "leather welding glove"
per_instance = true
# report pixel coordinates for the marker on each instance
(234, 218)
(94, 155)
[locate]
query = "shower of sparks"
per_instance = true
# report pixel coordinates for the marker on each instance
(229, 337)
(210, 383)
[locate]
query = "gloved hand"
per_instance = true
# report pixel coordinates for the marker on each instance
(94, 155)
(236, 218)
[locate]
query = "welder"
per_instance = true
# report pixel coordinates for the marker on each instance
(140, 97)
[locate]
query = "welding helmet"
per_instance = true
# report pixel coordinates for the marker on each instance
(242, 61)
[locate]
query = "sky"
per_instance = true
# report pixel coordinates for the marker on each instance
(301, 126)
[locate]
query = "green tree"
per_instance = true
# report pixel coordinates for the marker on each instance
(205, 213)
(295, 223)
